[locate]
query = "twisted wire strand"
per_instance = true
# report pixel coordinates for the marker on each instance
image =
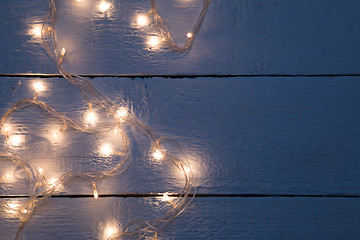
(162, 28)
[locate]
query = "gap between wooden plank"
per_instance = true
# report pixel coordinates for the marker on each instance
(200, 195)
(132, 76)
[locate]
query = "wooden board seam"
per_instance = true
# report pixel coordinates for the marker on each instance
(174, 76)
(201, 195)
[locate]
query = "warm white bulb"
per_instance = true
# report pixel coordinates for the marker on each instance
(142, 20)
(36, 30)
(38, 86)
(16, 140)
(13, 205)
(122, 112)
(52, 182)
(91, 117)
(63, 51)
(106, 150)
(56, 134)
(165, 197)
(41, 171)
(7, 176)
(189, 35)
(157, 154)
(104, 6)
(6, 128)
(96, 195)
(115, 131)
(24, 210)
(154, 41)
(109, 231)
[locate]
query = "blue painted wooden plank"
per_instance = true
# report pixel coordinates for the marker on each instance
(242, 135)
(237, 37)
(205, 218)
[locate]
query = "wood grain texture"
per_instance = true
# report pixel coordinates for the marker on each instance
(237, 37)
(242, 135)
(206, 218)
(294, 136)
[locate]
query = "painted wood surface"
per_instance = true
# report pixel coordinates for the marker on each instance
(237, 37)
(242, 135)
(206, 218)
(265, 135)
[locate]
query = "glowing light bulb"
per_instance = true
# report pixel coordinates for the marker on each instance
(165, 197)
(106, 150)
(109, 230)
(7, 176)
(91, 117)
(36, 30)
(24, 210)
(56, 134)
(153, 41)
(16, 140)
(13, 206)
(52, 182)
(39, 86)
(96, 195)
(6, 128)
(142, 20)
(122, 112)
(41, 171)
(157, 154)
(63, 51)
(189, 35)
(104, 6)
(186, 169)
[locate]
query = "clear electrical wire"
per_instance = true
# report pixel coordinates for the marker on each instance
(40, 189)
(162, 28)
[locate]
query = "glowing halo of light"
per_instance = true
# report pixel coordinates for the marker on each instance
(154, 42)
(38, 86)
(90, 117)
(142, 20)
(106, 150)
(36, 31)
(104, 6)
(16, 140)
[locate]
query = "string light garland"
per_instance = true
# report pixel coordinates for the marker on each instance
(162, 28)
(42, 188)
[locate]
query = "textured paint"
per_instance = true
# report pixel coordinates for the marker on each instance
(257, 135)
(206, 218)
(242, 135)
(237, 37)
